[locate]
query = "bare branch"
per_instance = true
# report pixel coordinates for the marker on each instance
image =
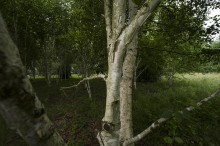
(101, 76)
(142, 71)
(162, 120)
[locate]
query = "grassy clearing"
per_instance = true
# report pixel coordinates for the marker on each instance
(77, 118)
(152, 100)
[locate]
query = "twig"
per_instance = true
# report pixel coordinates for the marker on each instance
(101, 76)
(99, 137)
(142, 71)
(162, 120)
(64, 93)
(79, 130)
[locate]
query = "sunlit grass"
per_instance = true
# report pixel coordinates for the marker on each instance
(76, 76)
(213, 77)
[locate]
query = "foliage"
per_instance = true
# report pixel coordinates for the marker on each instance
(54, 32)
(54, 35)
(210, 58)
(173, 38)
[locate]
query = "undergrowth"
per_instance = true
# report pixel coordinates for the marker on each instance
(77, 118)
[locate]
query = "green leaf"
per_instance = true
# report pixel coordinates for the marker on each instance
(178, 140)
(168, 140)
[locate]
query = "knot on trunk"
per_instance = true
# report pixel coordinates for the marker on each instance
(108, 127)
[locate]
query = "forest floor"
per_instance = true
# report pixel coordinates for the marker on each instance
(77, 117)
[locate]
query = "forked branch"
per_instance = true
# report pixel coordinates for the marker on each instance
(128, 33)
(143, 13)
(162, 120)
(85, 79)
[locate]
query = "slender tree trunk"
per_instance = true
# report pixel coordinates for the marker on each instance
(33, 69)
(126, 92)
(25, 46)
(19, 105)
(15, 19)
(47, 73)
(127, 82)
(111, 123)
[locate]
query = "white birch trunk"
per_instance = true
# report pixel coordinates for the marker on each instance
(121, 38)
(126, 86)
(109, 136)
(126, 92)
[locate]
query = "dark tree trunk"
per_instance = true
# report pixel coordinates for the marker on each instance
(19, 105)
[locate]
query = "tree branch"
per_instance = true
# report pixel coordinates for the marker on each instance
(128, 33)
(143, 13)
(183, 53)
(162, 120)
(142, 71)
(85, 79)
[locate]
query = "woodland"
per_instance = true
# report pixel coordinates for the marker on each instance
(109, 73)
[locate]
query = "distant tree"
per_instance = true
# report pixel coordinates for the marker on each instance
(173, 38)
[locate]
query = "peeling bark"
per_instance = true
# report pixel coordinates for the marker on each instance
(19, 105)
(126, 86)
(126, 92)
(121, 38)
(109, 135)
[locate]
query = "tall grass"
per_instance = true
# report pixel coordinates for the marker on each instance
(77, 118)
(152, 100)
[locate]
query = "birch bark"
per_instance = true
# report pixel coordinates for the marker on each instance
(126, 86)
(121, 38)
(115, 21)
(19, 105)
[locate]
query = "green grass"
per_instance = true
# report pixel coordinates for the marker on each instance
(153, 99)
(77, 118)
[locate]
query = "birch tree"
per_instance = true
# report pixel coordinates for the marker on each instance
(19, 105)
(123, 22)
(23, 111)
